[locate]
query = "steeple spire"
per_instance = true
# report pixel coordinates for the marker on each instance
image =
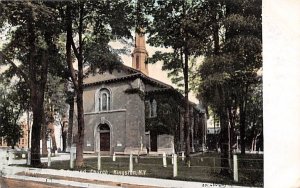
(140, 54)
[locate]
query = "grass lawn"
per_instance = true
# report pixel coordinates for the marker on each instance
(204, 168)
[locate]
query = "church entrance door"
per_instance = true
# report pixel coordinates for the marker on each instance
(103, 138)
(153, 142)
(104, 141)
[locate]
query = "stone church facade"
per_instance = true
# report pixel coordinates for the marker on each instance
(126, 111)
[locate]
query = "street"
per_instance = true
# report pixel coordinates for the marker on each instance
(13, 183)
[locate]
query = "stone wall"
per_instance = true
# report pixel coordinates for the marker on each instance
(126, 117)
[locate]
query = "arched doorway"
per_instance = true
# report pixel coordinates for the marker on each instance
(103, 138)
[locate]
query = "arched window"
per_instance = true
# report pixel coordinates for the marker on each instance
(104, 100)
(151, 108)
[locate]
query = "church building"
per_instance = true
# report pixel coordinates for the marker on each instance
(126, 111)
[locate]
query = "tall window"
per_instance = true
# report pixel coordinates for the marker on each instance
(104, 100)
(151, 108)
(147, 108)
(137, 62)
(154, 108)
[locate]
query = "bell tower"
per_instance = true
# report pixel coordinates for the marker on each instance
(140, 54)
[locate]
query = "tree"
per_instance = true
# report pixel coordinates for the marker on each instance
(13, 105)
(231, 64)
(63, 122)
(244, 40)
(176, 24)
(254, 118)
(56, 97)
(70, 102)
(10, 112)
(95, 24)
(32, 42)
(215, 90)
(55, 109)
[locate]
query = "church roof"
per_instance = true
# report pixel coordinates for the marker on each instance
(135, 74)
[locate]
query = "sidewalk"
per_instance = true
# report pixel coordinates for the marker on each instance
(11, 172)
(68, 177)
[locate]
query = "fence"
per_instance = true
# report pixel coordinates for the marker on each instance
(204, 167)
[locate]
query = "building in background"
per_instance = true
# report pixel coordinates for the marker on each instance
(23, 141)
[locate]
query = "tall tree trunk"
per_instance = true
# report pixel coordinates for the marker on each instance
(243, 107)
(224, 135)
(215, 137)
(80, 133)
(35, 98)
(77, 80)
(80, 111)
(187, 109)
(242, 128)
(36, 129)
(225, 144)
(70, 122)
(44, 137)
(37, 90)
(186, 88)
(72, 71)
(231, 121)
(28, 126)
(64, 136)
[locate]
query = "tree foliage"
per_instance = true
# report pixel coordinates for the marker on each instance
(11, 108)
(177, 25)
(35, 28)
(232, 61)
(30, 51)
